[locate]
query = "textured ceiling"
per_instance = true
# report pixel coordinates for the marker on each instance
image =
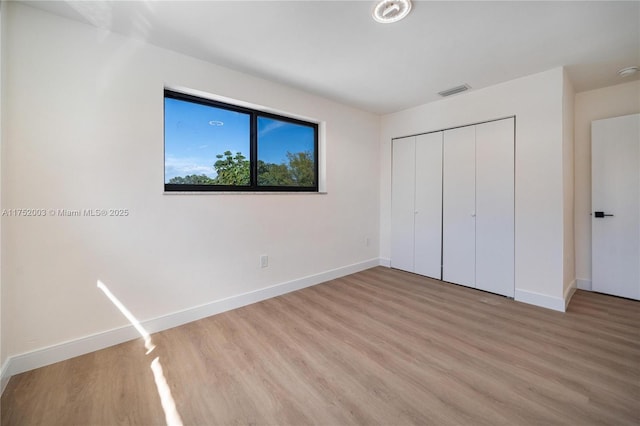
(335, 48)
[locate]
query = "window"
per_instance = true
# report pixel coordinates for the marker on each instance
(214, 146)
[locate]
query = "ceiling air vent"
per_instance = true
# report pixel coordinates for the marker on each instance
(454, 90)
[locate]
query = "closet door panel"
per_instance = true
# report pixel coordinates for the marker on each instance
(402, 203)
(495, 207)
(428, 205)
(458, 242)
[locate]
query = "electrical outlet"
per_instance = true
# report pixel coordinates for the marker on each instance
(264, 261)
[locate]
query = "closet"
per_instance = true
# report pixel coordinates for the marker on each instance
(453, 205)
(416, 210)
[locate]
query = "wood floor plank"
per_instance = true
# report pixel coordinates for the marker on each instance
(467, 355)
(379, 347)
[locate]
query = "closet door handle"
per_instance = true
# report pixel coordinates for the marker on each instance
(473, 214)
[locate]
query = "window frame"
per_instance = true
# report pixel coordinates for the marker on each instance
(254, 114)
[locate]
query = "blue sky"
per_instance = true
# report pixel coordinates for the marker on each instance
(276, 137)
(195, 134)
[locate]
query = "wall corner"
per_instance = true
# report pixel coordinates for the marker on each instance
(3, 14)
(568, 187)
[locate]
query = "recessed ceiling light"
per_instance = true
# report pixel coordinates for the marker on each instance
(624, 72)
(388, 11)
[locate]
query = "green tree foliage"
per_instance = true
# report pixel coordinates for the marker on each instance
(270, 174)
(301, 168)
(299, 171)
(234, 170)
(192, 180)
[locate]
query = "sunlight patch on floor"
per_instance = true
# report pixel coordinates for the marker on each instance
(166, 399)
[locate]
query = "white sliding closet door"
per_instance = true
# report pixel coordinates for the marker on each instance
(402, 203)
(452, 206)
(495, 207)
(428, 205)
(458, 242)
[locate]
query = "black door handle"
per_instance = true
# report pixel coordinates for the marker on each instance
(601, 214)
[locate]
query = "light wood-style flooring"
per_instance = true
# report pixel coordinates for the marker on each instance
(380, 347)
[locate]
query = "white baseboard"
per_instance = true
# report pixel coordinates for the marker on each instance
(385, 262)
(568, 294)
(539, 299)
(583, 284)
(39, 358)
(4, 377)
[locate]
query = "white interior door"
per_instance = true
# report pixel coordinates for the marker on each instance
(402, 203)
(495, 207)
(615, 191)
(459, 200)
(428, 205)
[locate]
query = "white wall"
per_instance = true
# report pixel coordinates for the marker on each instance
(569, 280)
(2, 74)
(84, 129)
(536, 101)
(613, 101)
